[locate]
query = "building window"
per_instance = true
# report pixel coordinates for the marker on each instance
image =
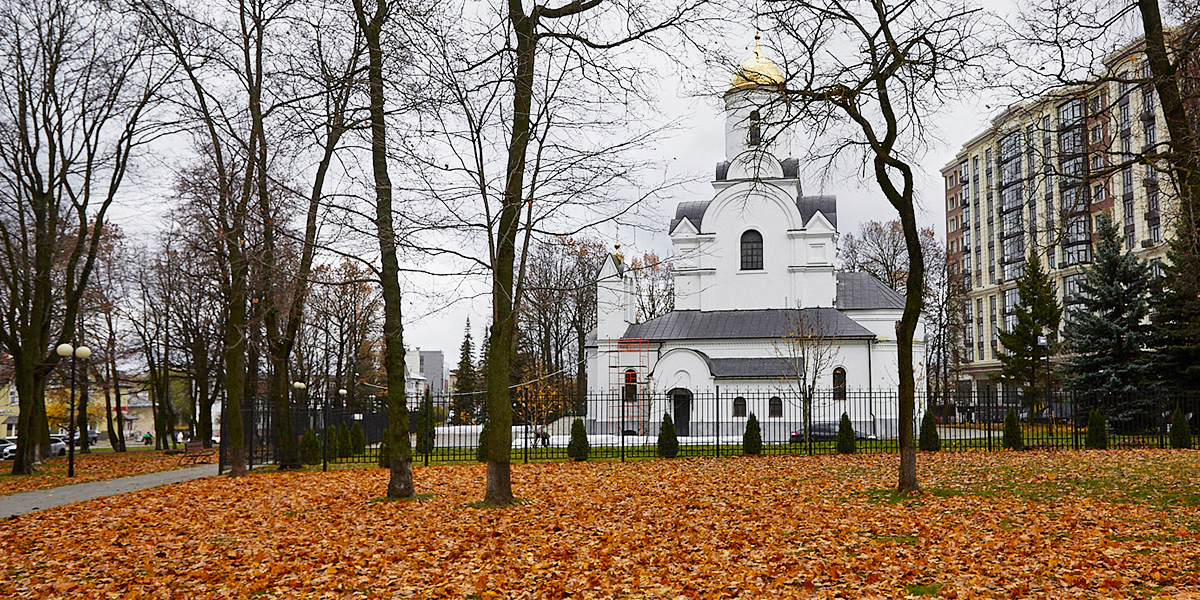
(839, 384)
(752, 250)
(629, 390)
(775, 407)
(755, 128)
(739, 407)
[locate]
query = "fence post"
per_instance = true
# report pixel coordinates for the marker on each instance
(621, 430)
(325, 433)
(430, 430)
(1161, 420)
(717, 420)
(1074, 420)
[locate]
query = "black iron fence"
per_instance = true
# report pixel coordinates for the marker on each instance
(625, 426)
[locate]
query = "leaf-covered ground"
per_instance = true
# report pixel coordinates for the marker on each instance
(1119, 524)
(88, 467)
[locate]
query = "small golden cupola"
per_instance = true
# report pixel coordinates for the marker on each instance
(757, 70)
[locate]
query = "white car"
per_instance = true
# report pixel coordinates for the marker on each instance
(8, 447)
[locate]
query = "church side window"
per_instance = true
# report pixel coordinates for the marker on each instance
(739, 407)
(752, 251)
(755, 128)
(775, 407)
(629, 390)
(839, 384)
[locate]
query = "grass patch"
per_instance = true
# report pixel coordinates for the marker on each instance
(923, 589)
(484, 505)
(909, 540)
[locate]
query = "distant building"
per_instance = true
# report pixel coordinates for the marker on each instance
(1035, 181)
(753, 265)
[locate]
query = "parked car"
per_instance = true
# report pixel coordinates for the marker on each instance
(8, 447)
(825, 432)
(93, 437)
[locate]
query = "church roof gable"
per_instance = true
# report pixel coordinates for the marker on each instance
(693, 210)
(810, 205)
(744, 324)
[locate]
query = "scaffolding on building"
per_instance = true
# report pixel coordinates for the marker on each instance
(629, 390)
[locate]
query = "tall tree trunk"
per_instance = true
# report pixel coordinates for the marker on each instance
(1185, 155)
(400, 481)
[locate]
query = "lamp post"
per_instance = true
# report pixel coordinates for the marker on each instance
(65, 350)
(291, 459)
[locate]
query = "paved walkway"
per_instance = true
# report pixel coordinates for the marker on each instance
(27, 502)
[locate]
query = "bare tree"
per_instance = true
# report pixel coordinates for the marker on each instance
(865, 77)
(654, 286)
(77, 87)
(808, 350)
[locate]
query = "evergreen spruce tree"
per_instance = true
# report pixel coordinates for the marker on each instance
(929, 440)
(310, 448)
(1097, 432)
(358, 442)
(464, 406)
(1176, 335)
(481, 450)
(1105, 333)
(1181, 431)
(846, 442)
(1013, 438)
(578, 448)
(1023, 361)
(752, 438)
(668, 444)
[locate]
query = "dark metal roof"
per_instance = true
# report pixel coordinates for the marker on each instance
(693, 210)
(862, 291)
(809, 205)
(746, 324)
(751, 368)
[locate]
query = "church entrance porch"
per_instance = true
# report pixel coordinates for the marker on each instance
(682, 400)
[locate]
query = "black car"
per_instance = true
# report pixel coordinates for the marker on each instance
(825, 432)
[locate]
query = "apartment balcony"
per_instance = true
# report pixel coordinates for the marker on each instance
(1152, 216)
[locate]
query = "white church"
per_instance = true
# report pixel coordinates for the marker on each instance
(753, 265)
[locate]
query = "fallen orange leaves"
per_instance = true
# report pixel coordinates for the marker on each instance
(770, 527)
(96, 466)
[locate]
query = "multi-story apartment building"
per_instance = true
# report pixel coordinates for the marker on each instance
(1034, 183)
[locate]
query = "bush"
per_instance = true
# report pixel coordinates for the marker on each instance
(310, 448)
(383, 453)
(1097, 432)
(481, 452)
(424, 421)
(1181, 430)
(668, 444)
(1013, 438)
(578, 448)
(752, 438)
(358, 441)
(929, 440)
(846, 444)
(345, 447)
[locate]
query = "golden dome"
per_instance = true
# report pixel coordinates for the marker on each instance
(756, 70)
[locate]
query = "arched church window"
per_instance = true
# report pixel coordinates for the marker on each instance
(839, 383)
(739, 407)
(775, 407)
(629, 390)
(752, 250)
(755, 128)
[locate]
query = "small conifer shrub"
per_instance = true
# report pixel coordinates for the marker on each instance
(846, 443)
(929, 440)
(358, 441)
(481, 452)
(1181, 430)
(310, 448)
(752, 438)
(1013, 438)
(1097, 432)
(578, 448)
(668, 444)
